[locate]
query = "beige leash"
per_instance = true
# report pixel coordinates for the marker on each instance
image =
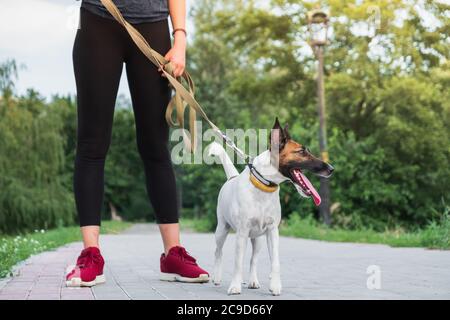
(182, 95)
(185, 97)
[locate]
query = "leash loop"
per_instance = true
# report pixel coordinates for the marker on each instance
(183, 97)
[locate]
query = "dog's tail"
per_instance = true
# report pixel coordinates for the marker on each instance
(215, 149)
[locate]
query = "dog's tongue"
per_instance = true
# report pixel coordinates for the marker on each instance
(315, 195)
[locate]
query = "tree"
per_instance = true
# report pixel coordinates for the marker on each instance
(382, 56)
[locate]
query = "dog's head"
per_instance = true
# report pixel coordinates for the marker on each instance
(293, 159)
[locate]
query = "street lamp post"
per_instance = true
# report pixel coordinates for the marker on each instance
(318, 29)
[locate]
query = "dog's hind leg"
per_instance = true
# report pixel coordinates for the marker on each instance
(221, 235)
(273, 246)
(256, 247)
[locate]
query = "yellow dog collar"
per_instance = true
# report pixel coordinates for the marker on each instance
(260, 182)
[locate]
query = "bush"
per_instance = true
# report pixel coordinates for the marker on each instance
(27, 208)
(31, 166)
(437, 233)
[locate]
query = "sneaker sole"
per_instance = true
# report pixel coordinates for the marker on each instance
(176, 277)
(77, 282)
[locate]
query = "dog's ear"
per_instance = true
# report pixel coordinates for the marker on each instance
(286, 132)
(278, 136)
(276, 125)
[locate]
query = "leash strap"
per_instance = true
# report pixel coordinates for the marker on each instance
(183, 96)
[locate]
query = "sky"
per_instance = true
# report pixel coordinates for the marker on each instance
(39, 34)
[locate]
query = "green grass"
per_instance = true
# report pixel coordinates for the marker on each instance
(197, 224)
(435, 236)
(14, 249)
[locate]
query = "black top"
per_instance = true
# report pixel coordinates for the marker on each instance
(134, 11)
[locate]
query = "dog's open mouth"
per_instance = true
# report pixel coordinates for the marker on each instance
(305, 185)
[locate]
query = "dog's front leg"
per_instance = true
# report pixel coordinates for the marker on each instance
(236, 282)
(273, 246)
(256, 245)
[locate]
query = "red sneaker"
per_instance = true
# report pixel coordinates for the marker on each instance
(89, 269)
(178, 265)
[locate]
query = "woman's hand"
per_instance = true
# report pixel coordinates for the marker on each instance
(177, 55)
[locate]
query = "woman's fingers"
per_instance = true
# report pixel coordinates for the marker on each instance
(178, 70)
(176, 57)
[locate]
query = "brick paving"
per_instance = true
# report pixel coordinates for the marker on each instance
(310, 270)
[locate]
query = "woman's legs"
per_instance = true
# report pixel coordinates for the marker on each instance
(98, 62)
(99, 51)
(90, 236)
(170, 234)
(100, 48)
(150, 95)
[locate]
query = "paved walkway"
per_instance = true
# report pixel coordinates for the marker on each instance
(310, 270)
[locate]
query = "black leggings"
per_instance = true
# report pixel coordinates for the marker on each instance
(101, 47)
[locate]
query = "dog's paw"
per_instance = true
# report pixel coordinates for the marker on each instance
(275, 291)
(275, 287)
(234, 289)
(254, 284)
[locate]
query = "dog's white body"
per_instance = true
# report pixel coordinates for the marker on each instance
(252, 213)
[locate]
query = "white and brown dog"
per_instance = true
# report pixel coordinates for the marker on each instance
(249, 202)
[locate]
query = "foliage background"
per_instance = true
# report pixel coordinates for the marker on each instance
(388, 103)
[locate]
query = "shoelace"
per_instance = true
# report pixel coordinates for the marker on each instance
(186, 256)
